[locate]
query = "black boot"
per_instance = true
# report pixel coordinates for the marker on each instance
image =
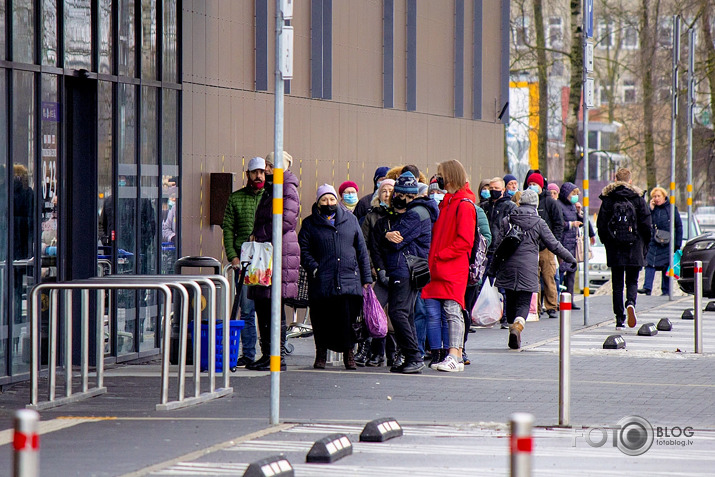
(361, 356)
(438, 356)
(321, 357)
(375, 361)
(349, 359)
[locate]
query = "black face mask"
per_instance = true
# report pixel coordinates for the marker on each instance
(440, 182)
(399, 202)
(326, 209)
(269, 178)
(496, 194)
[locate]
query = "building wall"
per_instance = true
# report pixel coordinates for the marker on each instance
(226, 122)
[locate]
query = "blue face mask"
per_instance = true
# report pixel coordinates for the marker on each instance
(122, 183)
(438, 197)
(382, 204)
(485, 194)
(350, 198)
(535, 188)
(574, 199)
(510, 192)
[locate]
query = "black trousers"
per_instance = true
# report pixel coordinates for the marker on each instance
(401, 308)
(631, 282)
(263, 314)
(517, 304)
(470, 298)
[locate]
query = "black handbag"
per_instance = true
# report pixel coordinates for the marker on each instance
(419, 271)
(662, 237)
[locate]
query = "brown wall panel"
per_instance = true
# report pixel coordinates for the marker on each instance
(435, 57)
(491, 61)
(400, 55)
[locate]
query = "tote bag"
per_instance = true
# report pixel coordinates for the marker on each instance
(259, 256)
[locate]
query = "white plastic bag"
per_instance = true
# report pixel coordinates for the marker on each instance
(488, 308)
(259, 256)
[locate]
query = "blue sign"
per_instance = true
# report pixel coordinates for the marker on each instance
(589, 18)
(50, 111)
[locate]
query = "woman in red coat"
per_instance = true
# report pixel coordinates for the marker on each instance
(452, 240)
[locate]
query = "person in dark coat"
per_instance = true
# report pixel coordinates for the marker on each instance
(624, 257)
(658, 256)
(518, 274)
(263, 232)
(573, 221)
(364, 204)
(334, 255)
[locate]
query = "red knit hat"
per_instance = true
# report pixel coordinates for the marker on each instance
(347, 184)
(536, 178)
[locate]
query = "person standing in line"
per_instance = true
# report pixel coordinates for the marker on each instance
(658, 256)
(365, 203)
(238, 220)
(290, 260)
(511, 185)
(348, 191)
(453, 237)
(518, 273)
(334, 255)
(624, 227)
(554, 190)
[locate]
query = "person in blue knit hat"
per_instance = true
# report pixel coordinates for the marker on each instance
(363, 206)
(511, 185)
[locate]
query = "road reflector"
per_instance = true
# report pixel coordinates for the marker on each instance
(380, 430)
(710, 306)
(614, 342)
(329, 449)
(275, 466)
(688, 314)
(664, 325)
(648, 329)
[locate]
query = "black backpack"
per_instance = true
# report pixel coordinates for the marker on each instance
(623, 226)
(511, 241)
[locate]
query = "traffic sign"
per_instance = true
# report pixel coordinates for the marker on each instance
(589, 18)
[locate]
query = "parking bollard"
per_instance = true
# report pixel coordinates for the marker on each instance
(26, 444)
(521, 444)
(565, 361)
(698, 305)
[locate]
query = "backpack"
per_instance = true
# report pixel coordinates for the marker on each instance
(511, 241)
(623, 226)
(478, 255)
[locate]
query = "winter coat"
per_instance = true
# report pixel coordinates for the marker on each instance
(570, 235)
(238, 219)
(550, 211)
(334, 256)
(415, 226)
(168, 226)
(452, 241)
(263, 232)
(618, 254)
(368, 223)
(520, 272)
(496, 211)
(658, 256)
(363, 206)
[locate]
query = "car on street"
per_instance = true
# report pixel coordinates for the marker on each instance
(706, 217)
(598, 271)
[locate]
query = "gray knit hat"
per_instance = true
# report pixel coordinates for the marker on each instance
(529, 197)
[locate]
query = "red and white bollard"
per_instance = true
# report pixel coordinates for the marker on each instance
(26, 444)
(565, 360)
(698, 305)
(521, 444)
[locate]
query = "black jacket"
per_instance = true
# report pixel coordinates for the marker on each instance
(617, 254)
(550, 211)
(496, 210)
(658, 256)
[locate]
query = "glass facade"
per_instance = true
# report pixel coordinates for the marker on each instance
(136, 133)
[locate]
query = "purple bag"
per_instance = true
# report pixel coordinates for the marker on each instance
(375, 317)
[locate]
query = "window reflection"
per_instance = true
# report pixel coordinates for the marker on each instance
(170, 181)
(49, 32)
(104, 191)
(170, 67)
(127, 42)
(2, 48)
(3, 220)
(23, 33)
(78, 34)
(106, 45)
(148, 39)
(49, 178)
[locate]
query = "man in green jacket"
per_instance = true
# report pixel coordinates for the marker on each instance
(237, 227)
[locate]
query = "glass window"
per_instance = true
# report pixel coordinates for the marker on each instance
(3, 220)
(630, 37)
(105, 36)
(23, 33)
(23, 130)
(125, 210)
(170, 56)
(127, 42)
(78, 34)
(170, 180)
(48, 175)
(629, 91)
(2, 33)
(104, 188)
(555, 33)
(49, 32)
(521, 32)
(148, 39)
(605, 34)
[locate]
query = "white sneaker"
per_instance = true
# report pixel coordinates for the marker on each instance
(450, 365)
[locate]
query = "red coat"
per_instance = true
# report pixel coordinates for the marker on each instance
(452, 240)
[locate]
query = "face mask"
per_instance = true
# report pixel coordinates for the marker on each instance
(326, 209)
(122, 183)
(485, 194)
(535, 188)
(171, 203)
(399, 202)
(257, 185)
(574, 199)
(440, 182)
(510, 192)
(382, 204)
(350, 198)
(269, 178)
(438, 197)
(495, 194)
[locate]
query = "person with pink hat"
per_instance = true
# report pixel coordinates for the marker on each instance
(348, 191)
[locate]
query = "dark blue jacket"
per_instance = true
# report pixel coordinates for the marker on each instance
(337, 252)
(659, 255)
(568, 210)
(415, 226)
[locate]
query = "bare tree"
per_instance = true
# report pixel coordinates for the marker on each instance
(571, 160)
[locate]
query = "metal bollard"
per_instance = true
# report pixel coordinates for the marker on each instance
(521, 444)
(26, 444)
(565, 361)
(698, 305)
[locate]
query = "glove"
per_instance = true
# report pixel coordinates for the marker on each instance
(382, 276)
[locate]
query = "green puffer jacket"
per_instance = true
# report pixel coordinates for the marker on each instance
(238, 220)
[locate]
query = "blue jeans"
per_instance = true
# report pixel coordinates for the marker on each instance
(650, 275)
(248, 315)
(420, 322)
(437, 329)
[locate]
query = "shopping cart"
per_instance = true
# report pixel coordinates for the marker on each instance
(298, 329)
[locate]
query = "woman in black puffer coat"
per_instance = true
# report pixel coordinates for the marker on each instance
(658, 257)
(573, 221)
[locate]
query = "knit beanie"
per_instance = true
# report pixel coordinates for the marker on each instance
(407, 184)
(552, 186)
(380, 172)
(536, 178)
(347, 184)
(508, 178)
(529, 197)
(422, 188)
(325, 189)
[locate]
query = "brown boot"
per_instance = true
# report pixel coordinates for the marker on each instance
(349, 359)
(515, 330)
(321, 356)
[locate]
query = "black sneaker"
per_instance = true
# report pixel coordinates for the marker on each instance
(243, 362)
(258, 366)
(263, 362)
(375, 361)
(414, 367)
(620, 323)
(552, 313)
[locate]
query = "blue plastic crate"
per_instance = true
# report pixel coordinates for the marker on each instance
(233, 343)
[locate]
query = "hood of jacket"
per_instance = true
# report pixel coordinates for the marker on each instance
(565, 190)
(428, 204)
(525, 216)
(621, 189)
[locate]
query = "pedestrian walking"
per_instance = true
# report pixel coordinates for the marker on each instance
(624, 227)
(334, 255)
